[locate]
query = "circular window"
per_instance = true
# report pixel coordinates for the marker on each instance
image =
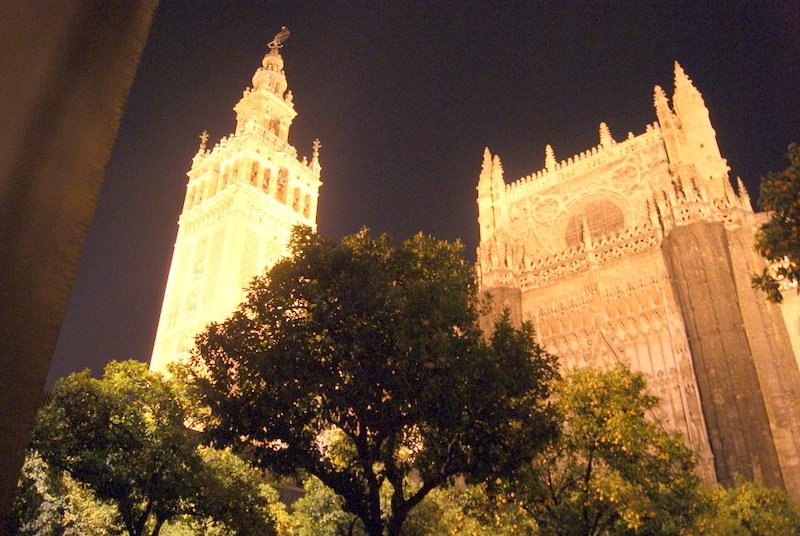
(602, 217)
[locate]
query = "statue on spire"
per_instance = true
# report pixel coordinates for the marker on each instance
(280, 37)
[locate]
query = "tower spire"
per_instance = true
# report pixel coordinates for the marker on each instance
(698, 138)
(687, 97)
(270, 75)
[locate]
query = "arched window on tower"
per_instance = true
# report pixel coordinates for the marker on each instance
(254, 174)
(265, 180)
(212, 182)
(307, 205)
(296, 200)
(274, 126)
(190, 195)
(283, 181)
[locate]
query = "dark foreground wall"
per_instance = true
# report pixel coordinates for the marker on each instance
(66, 67)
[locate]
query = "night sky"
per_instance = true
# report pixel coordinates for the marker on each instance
(404, 97)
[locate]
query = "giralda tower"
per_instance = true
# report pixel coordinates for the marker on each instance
(243, 197)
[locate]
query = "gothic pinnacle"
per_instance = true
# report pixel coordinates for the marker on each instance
(315, 152)
(549, 158)
(682, 81)
(605, 136)
(487, 160)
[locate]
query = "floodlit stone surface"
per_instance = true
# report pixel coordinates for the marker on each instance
(640, 251)
(243, 197)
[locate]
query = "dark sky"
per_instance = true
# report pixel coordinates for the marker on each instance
(404, 97)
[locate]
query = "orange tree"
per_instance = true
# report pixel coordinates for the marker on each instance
(124, 437)
(778, 240)
(612, 469)
(363, 364)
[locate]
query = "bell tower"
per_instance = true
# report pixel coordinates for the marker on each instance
(243, 197)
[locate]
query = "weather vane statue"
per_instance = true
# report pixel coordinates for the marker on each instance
(280, 37)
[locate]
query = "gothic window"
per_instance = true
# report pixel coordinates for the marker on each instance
(307, 205)
(283, 179)
(602, 217)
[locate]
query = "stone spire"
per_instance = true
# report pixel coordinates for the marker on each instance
(270, 75)
(486, 165)
(698, 140)
(485, 178)
(744, 197)
(605, 136)
(661, 103)
(267, 107)
(687, 98)
(497, 172)
(491, 194)
(549, 158)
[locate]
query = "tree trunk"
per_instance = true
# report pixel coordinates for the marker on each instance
(72, 63)
(157, 527)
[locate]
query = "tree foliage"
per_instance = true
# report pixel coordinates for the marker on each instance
(123, 436)
(360, 362)
(50, 503)
(458, 510)
(749, 509)
(778, 240)
(612, 470)
(320, 512)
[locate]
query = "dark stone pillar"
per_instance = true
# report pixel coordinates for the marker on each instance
(698, 259)
(771, 348)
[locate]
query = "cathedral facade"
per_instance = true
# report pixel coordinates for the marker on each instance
(640, 252)
(636, 251)
(243, 197)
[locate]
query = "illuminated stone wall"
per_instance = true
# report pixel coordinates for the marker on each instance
(243, 197)
(595, 251)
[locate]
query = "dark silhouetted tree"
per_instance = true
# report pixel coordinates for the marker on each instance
(364, 365)
(778, 240)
